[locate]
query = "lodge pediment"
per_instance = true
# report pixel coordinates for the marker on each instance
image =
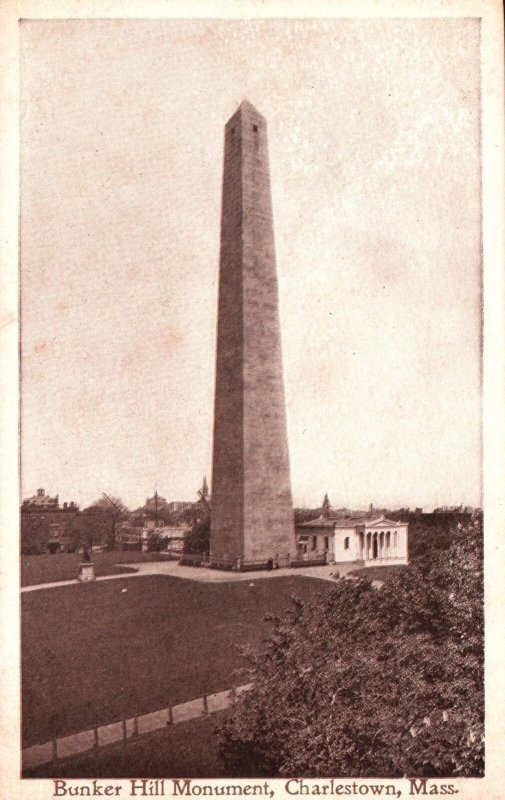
(382, 522)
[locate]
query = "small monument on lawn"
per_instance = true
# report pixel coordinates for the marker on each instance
(86, 567)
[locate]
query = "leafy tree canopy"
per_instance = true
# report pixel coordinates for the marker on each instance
(113, 506)
(198, 538)
(100, 519)
(372, 682)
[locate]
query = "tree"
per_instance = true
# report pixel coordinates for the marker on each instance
(107, 511)
(432, 532)
(306, 514)
(372, 682)
(198, 538)
(155, 543)
(34, 533)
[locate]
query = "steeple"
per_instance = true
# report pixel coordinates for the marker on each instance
(325, 508)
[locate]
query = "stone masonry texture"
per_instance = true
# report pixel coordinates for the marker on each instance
(252, 508)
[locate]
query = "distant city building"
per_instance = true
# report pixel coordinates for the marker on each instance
(58, 541)
(179, 505)
(41, 502)
(155, 503)
(453, 510)
(45, 524)
(128, 536)
(370, 541)
(174, 536)
(136, 537)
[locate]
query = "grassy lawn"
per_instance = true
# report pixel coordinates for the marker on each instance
(95, 653)
(189, 749)
(380, 573)
(65, 566)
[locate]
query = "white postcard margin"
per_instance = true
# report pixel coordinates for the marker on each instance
(492, 786)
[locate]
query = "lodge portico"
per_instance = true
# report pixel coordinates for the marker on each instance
(378, 545)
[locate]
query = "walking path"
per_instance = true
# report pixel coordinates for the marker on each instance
(125, 729)
(206, 575)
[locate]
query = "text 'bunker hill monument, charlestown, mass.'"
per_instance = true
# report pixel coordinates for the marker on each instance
(252, 508)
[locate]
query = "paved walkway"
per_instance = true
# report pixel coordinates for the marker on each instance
(206, 575)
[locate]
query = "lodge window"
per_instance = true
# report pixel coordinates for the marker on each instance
(314, 542)
(326, 543)
(255, 128)
(346, 543)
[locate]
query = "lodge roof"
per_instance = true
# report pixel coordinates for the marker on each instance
(351, 522)
(320, 522)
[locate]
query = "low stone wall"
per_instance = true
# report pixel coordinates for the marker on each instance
(309, 562)
(127, 729)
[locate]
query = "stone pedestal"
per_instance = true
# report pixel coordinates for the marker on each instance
(86, 571)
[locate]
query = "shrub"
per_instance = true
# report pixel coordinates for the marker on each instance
(198, 539)
(372, 682)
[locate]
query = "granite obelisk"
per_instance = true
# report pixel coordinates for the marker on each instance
(252, 508)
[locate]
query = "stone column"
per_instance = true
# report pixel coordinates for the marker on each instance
(252, 509)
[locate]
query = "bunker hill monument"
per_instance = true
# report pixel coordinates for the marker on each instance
(252, 507)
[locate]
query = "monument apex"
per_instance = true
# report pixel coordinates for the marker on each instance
(252, 509)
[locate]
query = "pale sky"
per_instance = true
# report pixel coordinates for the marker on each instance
(375, 164)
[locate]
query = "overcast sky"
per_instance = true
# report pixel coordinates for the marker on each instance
(375, 164)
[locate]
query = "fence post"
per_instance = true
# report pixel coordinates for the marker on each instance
(170, 716)
(205, 705)
(55, 754)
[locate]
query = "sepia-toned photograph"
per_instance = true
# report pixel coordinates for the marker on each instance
(251, 404)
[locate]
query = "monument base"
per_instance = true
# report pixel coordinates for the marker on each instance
(86, 571)
(240, 564)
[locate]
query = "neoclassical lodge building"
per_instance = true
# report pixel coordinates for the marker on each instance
(370, 541)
